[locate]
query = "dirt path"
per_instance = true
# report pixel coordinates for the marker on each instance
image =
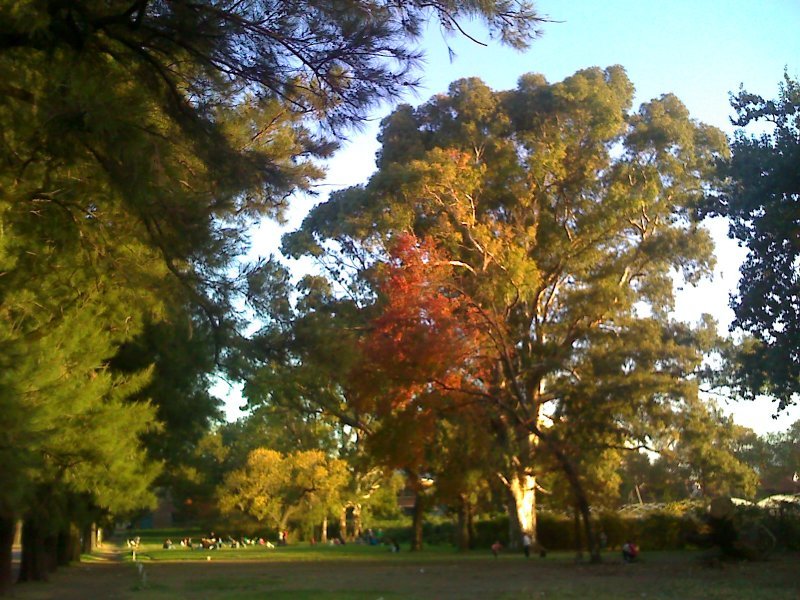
(104, 576)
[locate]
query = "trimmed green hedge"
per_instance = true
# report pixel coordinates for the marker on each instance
(666, 527)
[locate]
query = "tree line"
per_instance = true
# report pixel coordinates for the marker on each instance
(496, 296)
(499, 293)
(141, 139)
(274, 471)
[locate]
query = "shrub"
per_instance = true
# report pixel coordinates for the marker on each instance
(784, 523)
(655, 527)
(489, 530)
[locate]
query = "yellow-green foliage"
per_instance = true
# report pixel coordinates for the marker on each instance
(272, 487)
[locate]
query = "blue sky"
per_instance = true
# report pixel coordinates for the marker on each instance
(700, 50)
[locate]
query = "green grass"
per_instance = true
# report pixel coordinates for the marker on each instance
(242, 588)
(151, 549)
(360, 572)
(668, 589)
(298, 553)
(438, 574)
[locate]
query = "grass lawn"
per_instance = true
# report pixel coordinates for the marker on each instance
(151, 550)
(359, 572)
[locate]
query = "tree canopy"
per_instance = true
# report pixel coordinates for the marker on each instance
(140, 140)
(563, 218)
(760, 195)
(495, 301)
(272, 486)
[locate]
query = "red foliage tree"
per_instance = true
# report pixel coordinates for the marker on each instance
(423, 346)
(420, 364)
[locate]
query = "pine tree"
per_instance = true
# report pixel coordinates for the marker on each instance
(138, 142)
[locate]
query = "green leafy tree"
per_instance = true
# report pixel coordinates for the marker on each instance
(775, 457)
(141, 139)
(227, 446)
(196, 480)
(75, 435)
(178, 349)
(648, 478)
(705, 454)
(296, 368)
(467, 461)
(272, 487)
(564, 218)
(759, 195)
(210, 98)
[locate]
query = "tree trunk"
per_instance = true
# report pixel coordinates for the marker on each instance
(33, 565)
(89, 538)
(343, 523)
(323, 534)
(581, 501)
(356, 520)
(51, 551)
(7, 529)
(473, 536)
(576, 521)
(418, 519)
(69, 545)
(283, 527)
(75, 544)
(588, 529)
(62, 548)
(514, 529)
(464, 522)
(522, 508)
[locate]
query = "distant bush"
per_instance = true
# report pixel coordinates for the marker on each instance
(490, 530)
(653, 527)
(783, 521)
(555, 531)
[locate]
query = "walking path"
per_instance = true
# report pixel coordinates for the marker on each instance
(102, 576)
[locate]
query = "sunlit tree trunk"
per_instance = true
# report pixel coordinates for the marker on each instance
(343, 523)
(323, 534)
(522, 495)
(357, 520)
(89, 538)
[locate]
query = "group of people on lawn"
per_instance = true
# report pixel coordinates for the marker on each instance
(214, 541)
(630, 550)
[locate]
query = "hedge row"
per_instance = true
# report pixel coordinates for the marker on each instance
(664, 528)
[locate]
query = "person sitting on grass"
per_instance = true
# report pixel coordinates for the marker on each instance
(630, 551)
